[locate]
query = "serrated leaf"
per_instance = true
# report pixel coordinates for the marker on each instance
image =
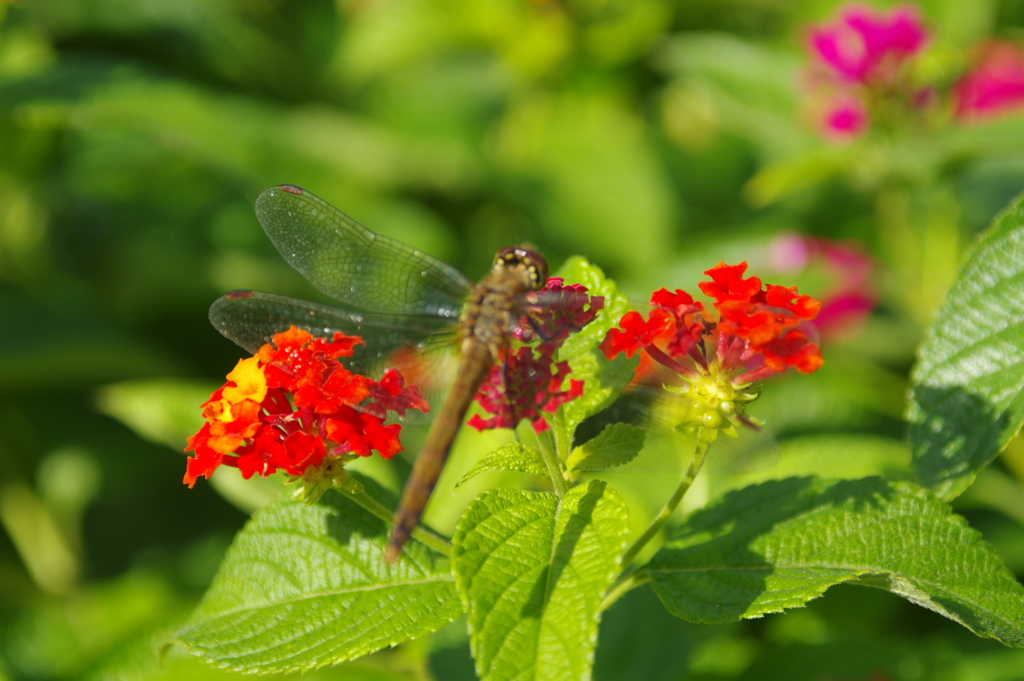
(306, 586)
(966, 401)
(604, 379)
(514, 456)
(617, 444)
(779, 544)
(531, 570)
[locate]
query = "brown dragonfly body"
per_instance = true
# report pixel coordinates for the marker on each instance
(495, 305)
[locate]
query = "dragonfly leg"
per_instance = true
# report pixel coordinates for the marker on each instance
(545, 337)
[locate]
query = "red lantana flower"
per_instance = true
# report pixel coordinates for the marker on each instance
(761, 330)
(525, 386)
(528, 383)
(293, 407)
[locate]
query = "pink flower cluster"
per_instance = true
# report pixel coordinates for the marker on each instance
(863, 57)
(865, 46)
(994, 85)
(864, 64)
(848, 297)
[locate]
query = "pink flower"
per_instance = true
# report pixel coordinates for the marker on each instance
(994, 85)
(849, 297)
(865, 44)
(847, 117)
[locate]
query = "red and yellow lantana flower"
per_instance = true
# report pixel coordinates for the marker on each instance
(293, 407)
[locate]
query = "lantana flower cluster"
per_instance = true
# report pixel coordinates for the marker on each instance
(294, 407)
(865, 72)
(760, 330)
(529, 382)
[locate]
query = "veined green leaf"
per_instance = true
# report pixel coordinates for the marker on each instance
(779, 544)
(531, 569)
(514, 456)
(307, 586)
(967, 399)
(604, 379)
(617, 444)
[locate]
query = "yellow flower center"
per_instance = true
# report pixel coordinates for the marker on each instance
(713, 401)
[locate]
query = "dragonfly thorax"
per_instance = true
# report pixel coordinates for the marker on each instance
(524, 261)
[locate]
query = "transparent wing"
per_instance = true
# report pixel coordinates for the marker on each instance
(351, 264)
(251, 318)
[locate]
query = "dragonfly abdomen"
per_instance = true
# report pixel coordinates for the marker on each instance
(474, 365)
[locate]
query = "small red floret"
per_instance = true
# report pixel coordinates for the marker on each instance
(635, 332)
(563, 310)
(727, 283)
(391, 394)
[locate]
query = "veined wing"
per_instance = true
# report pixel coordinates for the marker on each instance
(251, 318)
(352, 264)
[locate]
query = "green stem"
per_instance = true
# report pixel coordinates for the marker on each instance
(622, 586)
(357, 493)
(547, 453)
(563, 439)
(705, 437)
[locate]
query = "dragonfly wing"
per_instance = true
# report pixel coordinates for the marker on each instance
(251, 318)
(353, 264)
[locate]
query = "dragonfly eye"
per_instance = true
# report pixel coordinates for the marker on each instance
(526, 260)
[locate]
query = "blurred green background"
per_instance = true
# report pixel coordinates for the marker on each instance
(654, 138)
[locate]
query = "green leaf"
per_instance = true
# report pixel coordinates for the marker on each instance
(305, 586)
(639, 639)
(966, 401)
(843, 455)
(747, 85)
(597, 130)
(514, 456)
(531, 570)
(604, 379)
(69, 349)
(164, 410)
(617, 444)
(780, 544)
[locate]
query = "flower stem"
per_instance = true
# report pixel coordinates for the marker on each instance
(561, 435)
(547, 453)
(623, 586)
(705, 437)
(357, 493)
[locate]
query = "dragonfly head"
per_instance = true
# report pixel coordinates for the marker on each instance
(522, 261)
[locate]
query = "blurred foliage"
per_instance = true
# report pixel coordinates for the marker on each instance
(653, 137)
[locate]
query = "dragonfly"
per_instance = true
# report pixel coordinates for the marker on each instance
(409, 300)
